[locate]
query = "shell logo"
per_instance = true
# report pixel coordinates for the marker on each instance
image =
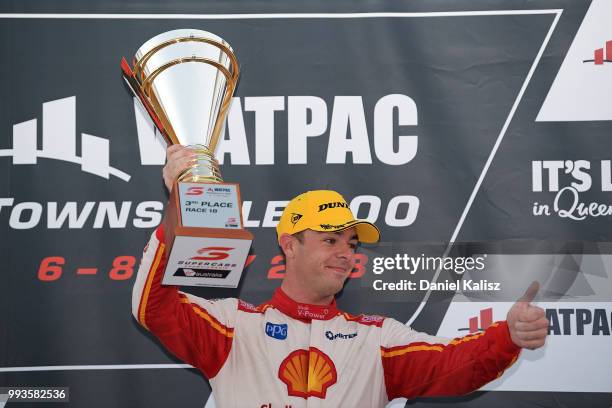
(307, 373)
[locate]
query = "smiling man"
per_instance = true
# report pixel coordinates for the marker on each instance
(319, 236)
(298, 349)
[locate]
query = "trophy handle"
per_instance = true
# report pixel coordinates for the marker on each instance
(128, 75)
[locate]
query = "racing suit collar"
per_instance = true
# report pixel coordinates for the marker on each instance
(302, 311)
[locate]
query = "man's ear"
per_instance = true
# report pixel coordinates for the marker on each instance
(287, 243)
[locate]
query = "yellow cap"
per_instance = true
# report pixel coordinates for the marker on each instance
(323, 210)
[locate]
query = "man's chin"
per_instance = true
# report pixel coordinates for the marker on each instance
(340, 284)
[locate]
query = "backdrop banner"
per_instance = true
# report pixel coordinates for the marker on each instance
(462, 129)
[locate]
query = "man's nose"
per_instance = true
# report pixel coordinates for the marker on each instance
(346, 251)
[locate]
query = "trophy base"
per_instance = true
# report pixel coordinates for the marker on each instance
(205, 240)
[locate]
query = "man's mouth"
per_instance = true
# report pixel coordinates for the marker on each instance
(338, 269)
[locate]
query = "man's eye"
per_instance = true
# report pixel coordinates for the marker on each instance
(330, 240)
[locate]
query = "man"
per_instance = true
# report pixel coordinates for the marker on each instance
(299, 349)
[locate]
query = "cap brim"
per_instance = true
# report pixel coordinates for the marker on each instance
(367, 232)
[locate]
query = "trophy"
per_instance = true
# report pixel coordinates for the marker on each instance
(185, 80)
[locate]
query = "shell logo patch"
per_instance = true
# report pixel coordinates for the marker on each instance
(307, 373)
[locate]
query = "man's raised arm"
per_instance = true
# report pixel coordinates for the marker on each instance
(419, 365)
(197, 331)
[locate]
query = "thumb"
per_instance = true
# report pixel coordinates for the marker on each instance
(530, 293)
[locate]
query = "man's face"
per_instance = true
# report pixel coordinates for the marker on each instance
(323, 260)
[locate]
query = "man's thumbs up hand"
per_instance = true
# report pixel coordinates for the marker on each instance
(527, 323)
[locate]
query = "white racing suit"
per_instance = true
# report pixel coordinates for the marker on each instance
(285, 354)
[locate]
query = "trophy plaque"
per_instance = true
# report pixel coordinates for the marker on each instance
(185, 80)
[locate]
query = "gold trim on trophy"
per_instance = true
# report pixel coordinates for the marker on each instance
(156, 59)
(185, 79)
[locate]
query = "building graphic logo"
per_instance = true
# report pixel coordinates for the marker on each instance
(59, 141)
(598, 55)
(486, 320)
